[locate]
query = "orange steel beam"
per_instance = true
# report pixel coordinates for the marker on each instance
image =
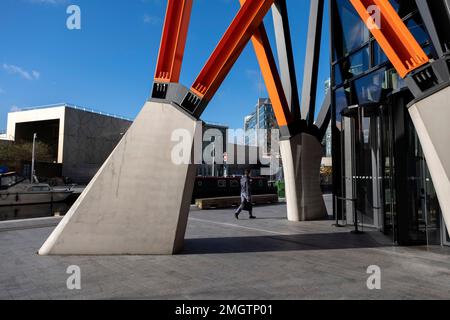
(393, 36)
(173, 41)
(238, 34)
(271, 76)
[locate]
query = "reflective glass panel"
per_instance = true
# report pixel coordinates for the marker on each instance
(379, 57)
(369, 88)
(417, 29)
(342, 101)
(356, 64)
(352, 29)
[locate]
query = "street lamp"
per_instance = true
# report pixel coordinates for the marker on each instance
(213, 140)
(33, 157)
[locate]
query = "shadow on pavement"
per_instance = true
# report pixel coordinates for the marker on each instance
(298, 242)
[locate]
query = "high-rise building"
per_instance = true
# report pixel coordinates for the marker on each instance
(327, 85)
(258, 127)
(263, 118)
(327, 141)
(214, 135)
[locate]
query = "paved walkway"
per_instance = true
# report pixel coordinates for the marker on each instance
(268, 258)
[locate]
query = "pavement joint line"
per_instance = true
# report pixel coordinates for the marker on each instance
(41, 226)
(242, 227)
(260, 230)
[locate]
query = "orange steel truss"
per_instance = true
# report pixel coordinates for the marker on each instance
(230, 47)
(271, 76)
(394, 38)
(173, 40)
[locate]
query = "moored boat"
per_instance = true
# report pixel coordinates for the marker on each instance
(14, 191)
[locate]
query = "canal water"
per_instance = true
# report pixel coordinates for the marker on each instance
(8, 213)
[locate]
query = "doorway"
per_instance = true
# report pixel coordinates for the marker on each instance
(384, 171)
(427, 212)
(389, 223)
(363, 157)
(445, 234)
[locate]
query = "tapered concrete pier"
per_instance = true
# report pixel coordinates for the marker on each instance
(138, 203)
(431, 117)
(302, 155)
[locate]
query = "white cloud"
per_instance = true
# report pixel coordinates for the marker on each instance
(14, 109)
(53, 2)
(12, 69)
(153, 2)
(256, 79)
(36, 74)
(152, 20)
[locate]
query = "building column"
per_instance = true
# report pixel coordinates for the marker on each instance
(302, 157)
(139, 201)
(431, 119)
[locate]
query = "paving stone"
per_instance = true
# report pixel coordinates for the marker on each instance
(224, 258)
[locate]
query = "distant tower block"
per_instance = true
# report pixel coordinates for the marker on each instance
(302, 155)
(431, 119)
(139, 201)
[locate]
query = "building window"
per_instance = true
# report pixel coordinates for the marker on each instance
(417, 29)
(403, 7)
(337, 75)
(342, 101)
(354, 32)
(369, 88)
(379, 57)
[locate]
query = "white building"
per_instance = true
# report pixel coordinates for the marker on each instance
(80, 139)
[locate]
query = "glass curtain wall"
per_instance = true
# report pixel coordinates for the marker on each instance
(382, 165)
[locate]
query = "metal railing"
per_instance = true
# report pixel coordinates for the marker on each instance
(75, 107)
(355, 214)
(216, 124)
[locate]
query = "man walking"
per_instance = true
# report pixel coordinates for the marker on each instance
(246, 196)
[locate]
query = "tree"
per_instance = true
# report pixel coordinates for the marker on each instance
(13, 153)
(326, 175)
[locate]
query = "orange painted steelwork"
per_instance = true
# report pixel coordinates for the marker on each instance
(248, 19)
(173, 41)
(393, 36)
(271, 76)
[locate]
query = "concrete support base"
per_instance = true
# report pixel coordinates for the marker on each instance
(138, 203)
(431, 117)
(302, 157)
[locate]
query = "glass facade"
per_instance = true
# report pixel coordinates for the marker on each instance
(382, 168)
(263, 118)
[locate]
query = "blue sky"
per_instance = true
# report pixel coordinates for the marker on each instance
(109, 64)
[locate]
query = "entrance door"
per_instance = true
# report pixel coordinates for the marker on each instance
(389, 222)
(427, 209)
(368, 178)
(363, 154)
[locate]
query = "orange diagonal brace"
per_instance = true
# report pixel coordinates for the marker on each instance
(271, 76)
(391, 33)
(230, 47)
(173, 41)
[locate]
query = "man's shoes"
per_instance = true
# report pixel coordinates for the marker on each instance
(236, 215)
(252, 217)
